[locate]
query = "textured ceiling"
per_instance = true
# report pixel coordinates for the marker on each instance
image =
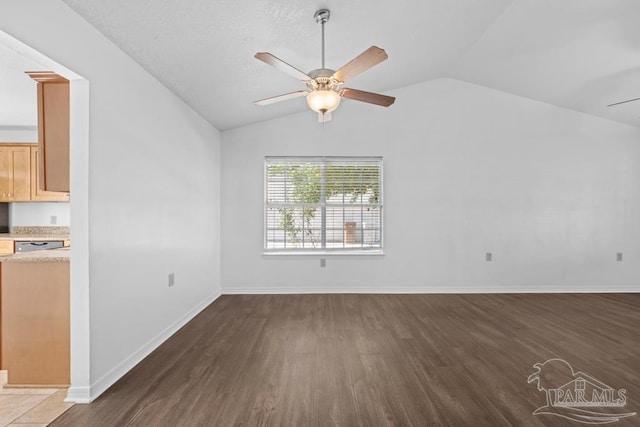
(578, 54)
(203, 50)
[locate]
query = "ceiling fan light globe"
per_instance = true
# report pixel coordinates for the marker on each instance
(323, 100)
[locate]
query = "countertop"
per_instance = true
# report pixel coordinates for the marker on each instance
(50, 255)
(35, 237)
(36, 233)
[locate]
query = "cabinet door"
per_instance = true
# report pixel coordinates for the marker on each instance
(6, 177)
(53, 130)
(6, 248)
(21, 165)
(35, 323)
(15, 174)
(37, 193)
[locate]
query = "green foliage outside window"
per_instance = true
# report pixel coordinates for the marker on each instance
(308, 182)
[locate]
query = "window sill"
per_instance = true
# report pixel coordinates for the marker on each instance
(323, 254)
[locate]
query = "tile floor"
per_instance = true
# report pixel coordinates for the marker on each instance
(30, 407)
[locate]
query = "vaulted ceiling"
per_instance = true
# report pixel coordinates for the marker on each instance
(578, 54)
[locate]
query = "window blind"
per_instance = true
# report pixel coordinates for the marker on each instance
(323, 204)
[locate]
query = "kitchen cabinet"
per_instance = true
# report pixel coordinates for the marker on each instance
(19, 175)
(6, 247)
(53, 130)
(37, 193)
(15, 173)
(35, 338)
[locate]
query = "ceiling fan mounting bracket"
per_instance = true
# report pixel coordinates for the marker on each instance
(322, 16)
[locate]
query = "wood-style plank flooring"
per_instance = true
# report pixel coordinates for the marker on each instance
(374, 360)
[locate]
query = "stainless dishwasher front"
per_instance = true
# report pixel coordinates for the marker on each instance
(30, 246)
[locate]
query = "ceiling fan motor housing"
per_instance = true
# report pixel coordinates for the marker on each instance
(322, 78)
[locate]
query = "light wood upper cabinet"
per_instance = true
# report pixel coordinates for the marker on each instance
(37, 194)
(15, 173)
(53, 130)
(19, 175)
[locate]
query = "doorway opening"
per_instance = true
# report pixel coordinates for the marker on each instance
(79, 391)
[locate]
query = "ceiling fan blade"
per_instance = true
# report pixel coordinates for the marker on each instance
(624, 102)
(279, 64)
(278, 98)
(370, 97)
(361, 63)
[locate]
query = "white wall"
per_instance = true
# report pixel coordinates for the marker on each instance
(18, 134)
(39, 213)
(150, 203)
(552, 193)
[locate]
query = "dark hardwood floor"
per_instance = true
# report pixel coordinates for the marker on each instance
(369, 360)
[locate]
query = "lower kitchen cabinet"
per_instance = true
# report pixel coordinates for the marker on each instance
(34, 307)
(6, 247)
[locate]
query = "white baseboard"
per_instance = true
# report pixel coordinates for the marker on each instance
(514, 289)
(89, 394)
(78, 395)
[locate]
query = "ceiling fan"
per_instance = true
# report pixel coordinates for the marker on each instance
(324, 86)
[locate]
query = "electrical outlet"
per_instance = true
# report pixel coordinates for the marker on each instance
(488, 256)
(54, 219)
(323, 262)
(172, 279)
(619, 256)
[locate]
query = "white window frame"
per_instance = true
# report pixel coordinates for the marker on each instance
(365, 246)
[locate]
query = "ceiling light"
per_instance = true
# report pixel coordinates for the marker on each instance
(323, 100)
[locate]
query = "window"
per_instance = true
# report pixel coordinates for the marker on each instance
(323, 204)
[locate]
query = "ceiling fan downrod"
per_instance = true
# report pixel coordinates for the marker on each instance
(322, 17)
